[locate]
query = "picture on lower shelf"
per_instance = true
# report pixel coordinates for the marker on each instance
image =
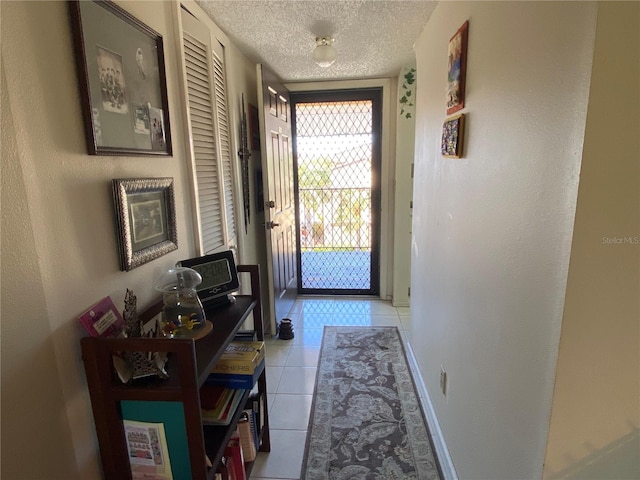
(223, 407)
(148, 452)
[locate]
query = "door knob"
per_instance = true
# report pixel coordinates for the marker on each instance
(271, 204)
(270, 225)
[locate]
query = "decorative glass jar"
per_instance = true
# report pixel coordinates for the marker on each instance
(182, 314)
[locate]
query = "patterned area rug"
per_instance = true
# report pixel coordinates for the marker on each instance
(366, 421)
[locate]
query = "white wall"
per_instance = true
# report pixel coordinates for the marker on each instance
(595, 420)
(492, 231)
(403, 190)
(59, 252)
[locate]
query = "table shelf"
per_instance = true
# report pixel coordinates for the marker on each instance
(189, 363)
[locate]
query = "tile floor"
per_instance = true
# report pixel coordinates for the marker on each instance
(291, 373)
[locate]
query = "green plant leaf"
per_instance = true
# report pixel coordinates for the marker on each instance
(410, 77)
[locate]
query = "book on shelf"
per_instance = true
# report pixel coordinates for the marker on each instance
(236, 380)
(240, 358)
(214, 400)
(255, 403)
(246, 433)
(235, 460)
(224, 409)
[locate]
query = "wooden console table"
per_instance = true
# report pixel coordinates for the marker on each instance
(189, 364)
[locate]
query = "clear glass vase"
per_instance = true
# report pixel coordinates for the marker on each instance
(182, 314)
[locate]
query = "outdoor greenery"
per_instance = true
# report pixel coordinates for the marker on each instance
(325, 204)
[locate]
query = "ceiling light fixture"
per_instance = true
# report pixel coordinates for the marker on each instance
(324, 54)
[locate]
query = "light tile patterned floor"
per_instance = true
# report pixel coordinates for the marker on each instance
(291, 372)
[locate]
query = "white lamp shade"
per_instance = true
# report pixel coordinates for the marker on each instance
(324, 54)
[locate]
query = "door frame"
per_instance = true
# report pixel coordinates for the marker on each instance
(375, 94)
(389, 97)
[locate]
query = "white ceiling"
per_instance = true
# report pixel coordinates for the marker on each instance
(373, 38)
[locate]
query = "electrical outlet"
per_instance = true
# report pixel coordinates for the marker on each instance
(443, 380)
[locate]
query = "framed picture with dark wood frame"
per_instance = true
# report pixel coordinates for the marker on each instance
(145, 219)
(122, 80)
(457, 69)
(453, 136)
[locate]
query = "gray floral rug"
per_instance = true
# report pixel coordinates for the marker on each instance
(366, 421)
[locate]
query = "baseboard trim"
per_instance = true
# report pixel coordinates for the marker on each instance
(446, 464)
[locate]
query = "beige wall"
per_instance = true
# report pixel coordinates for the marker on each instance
(242, 80)
(59, 252)
(595, 420)
(403, 192)
(492, 231)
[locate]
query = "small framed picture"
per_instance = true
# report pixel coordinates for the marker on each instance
(122, 80)
(457, 69)
(145, 218)
(453, 137)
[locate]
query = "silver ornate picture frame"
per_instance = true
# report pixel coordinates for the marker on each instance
(145, 219)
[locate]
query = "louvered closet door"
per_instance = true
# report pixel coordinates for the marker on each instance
(222, 117)
(209, 131)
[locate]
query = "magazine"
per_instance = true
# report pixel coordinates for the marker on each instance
(148, 452)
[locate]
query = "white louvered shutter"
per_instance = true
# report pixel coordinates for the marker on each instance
(208, 114)
(225, 140)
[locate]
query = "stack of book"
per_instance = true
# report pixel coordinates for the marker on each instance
(236, 371)
(218, 404)
(240, 365)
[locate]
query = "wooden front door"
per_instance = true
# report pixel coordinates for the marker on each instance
(277, 166)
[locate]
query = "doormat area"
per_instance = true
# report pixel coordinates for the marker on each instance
(366, 421)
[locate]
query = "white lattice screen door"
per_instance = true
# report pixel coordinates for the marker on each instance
(338, 162)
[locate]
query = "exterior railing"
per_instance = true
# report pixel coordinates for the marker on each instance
(334, 218)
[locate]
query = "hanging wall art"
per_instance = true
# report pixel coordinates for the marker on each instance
(453, 137)
(145, 219)
(457, 69)
(120, 66)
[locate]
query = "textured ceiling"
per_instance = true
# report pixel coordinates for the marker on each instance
(373, 38)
